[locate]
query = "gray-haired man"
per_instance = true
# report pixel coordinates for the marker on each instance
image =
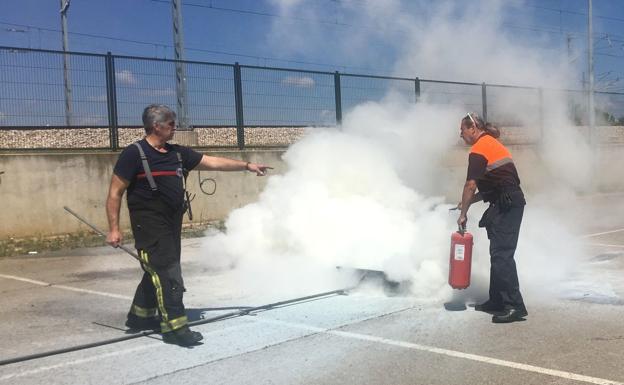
(152, 171)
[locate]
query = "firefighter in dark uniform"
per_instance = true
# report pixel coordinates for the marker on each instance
(153, 172)
(492, 170)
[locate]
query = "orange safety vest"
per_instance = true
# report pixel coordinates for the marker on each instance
(492, 150)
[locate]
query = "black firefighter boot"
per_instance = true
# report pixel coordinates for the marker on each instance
(183, 337)
(136, 323)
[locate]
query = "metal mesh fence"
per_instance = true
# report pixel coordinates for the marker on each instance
(140, 83)
(609, 108)
(467, 96)
(103, 98)
(358, 89)
(572, 104)
(34, 90)
(514, 106)
(210, 90)
(275, 97)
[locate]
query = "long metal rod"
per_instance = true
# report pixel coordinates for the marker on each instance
(149, 333)
(103, 234)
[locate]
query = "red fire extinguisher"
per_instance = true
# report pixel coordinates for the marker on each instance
(461, 259)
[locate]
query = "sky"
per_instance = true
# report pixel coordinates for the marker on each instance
(309, 34)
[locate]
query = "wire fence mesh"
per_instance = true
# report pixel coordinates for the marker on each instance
(274, 97)
(52, 99)
(140, 82)
(33, 89)
(609, 108)
(357, 89)
(514, 107)
(467, 96)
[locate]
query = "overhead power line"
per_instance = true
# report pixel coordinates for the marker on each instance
(225, 53)
(258, 13)
(558, 31)
(561, 10)
(541, 29)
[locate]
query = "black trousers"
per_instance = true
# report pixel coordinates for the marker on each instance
(503, 228)
(157, 232)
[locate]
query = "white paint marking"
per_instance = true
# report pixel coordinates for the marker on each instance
(604, 245)
(78, 361)
(603, 233)
(64, 287)
(447, 352)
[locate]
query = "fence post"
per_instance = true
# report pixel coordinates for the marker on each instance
(484, 101)
(541, 113)
(238, 98)
(111, 99)
(338, 98)
(417, 88)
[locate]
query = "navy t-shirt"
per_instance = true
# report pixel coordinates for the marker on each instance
(170, 189)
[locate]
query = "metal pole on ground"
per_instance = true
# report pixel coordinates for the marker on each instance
(225, 316)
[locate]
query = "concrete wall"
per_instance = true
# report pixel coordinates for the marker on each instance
(35, 187)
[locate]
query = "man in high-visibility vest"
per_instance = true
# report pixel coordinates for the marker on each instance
(153, 172)
(492, 170)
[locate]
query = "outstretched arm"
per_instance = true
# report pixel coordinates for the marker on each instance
(216, 163)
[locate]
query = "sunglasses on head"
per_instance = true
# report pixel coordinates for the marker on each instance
(471, 118)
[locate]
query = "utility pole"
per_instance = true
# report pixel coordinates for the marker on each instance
(569, 45)
(178, 43)
(66, 78)
(571, 103)
(590, 57)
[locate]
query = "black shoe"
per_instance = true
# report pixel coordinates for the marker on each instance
(183, 337)
(138, 323)
(489, 307)
(510, 315)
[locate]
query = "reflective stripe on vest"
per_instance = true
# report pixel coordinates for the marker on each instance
(493, 151)
(158, 173)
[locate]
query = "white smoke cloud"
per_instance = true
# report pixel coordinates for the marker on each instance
(368, 195)
(342, 203)
(473, 39)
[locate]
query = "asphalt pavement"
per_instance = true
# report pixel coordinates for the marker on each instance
(365, 336)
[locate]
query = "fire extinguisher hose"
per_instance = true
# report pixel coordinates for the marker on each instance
(234, 314)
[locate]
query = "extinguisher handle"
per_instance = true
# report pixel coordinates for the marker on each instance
(461, 229)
